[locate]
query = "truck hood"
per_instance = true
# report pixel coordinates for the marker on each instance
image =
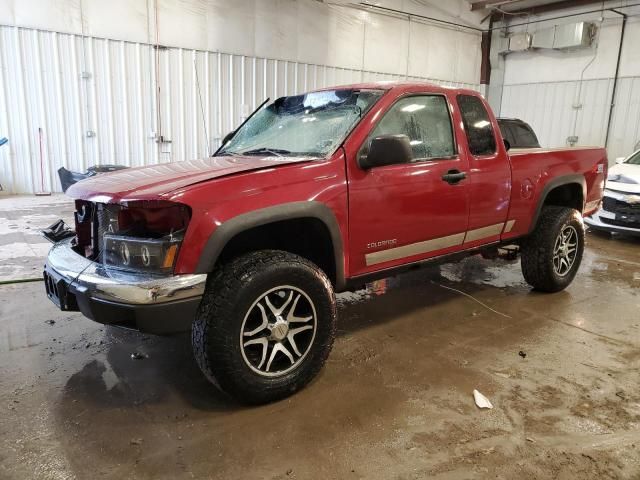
(627, 172)
(157, 181)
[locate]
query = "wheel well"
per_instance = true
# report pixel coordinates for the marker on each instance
(307, 237)
(567, 195)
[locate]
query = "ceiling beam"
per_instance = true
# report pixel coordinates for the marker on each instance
(484, 4)
(551, 7)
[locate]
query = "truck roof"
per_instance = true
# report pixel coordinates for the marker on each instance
(402, 87)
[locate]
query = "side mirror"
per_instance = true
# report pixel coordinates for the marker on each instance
(228, 137)
(620, 160)
(386, 150)
(507, 144)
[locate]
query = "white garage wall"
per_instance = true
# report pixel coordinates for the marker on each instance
(566, 93)
(90, 95)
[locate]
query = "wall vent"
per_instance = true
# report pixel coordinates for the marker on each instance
(558, 37)
(519, 42)
(573, 35)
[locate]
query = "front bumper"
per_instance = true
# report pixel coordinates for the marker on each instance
(596, 222)
(148, 303)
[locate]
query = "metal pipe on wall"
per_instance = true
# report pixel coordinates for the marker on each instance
(569, 15)
(374, 7)
(616, 77)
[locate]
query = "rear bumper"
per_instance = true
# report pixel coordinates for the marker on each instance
(160, 305)
(595, 222)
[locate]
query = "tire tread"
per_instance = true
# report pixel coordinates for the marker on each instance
(537, 249)
(212, 335)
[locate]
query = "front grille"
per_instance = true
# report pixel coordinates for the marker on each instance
(58, 292)
(619, 207)
(51, 288)
(93, 221)
(105, 221)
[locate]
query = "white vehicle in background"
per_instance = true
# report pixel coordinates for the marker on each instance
(620, 211)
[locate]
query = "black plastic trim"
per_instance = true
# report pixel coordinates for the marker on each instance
(575, 178)
(288, 211)
(159, 319)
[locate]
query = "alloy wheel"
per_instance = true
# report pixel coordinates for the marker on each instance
(565, 250)
(278, 331)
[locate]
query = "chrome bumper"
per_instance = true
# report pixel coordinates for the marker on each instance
(121, 287)
(594, 221)
(136, 300)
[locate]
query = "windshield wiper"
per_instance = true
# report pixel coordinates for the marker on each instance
(225, 152)
(275, 151)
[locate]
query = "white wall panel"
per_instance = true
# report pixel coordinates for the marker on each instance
(312, 32)
(277, 29)
(386, 41)
(182, 22)
(346, 36)
(557, 110)
(625, 128)
(231, 26)
(469, 56)
(103, 101)
(119, 19)
(56, 15)
(309, 31)
(630, 61)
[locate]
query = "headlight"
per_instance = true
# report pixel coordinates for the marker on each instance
(141, 254)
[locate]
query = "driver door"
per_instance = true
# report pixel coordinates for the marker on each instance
(409, 212)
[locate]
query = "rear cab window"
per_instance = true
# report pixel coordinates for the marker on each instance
(524, 136)
(477, 126)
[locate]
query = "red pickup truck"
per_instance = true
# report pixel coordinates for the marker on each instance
(314, 194)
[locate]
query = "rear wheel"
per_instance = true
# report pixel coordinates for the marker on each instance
(551, 255)
(265, 325)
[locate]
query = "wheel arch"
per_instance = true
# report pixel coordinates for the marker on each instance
(257, 230)
(564, 191)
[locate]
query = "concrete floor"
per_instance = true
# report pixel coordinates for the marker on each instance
(394, 400)
(22, 247)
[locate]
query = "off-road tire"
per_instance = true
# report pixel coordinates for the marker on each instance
(537, 249)
(230, 292)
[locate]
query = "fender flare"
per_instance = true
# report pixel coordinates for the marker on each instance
(287, 211)
(574, 178)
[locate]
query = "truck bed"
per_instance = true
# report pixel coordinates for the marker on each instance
(538, 169)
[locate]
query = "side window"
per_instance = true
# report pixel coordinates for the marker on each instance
(526, 138)
(507, 133)
(425, 120)
(477, 125)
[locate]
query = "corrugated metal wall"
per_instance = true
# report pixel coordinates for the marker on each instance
(625, 127)
(73, 101)
(557, 110)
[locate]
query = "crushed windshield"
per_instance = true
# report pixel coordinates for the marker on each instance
(314, 124)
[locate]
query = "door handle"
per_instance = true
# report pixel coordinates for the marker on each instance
(454, 176)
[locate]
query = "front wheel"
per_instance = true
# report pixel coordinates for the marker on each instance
(551, 255)
(265, 325)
